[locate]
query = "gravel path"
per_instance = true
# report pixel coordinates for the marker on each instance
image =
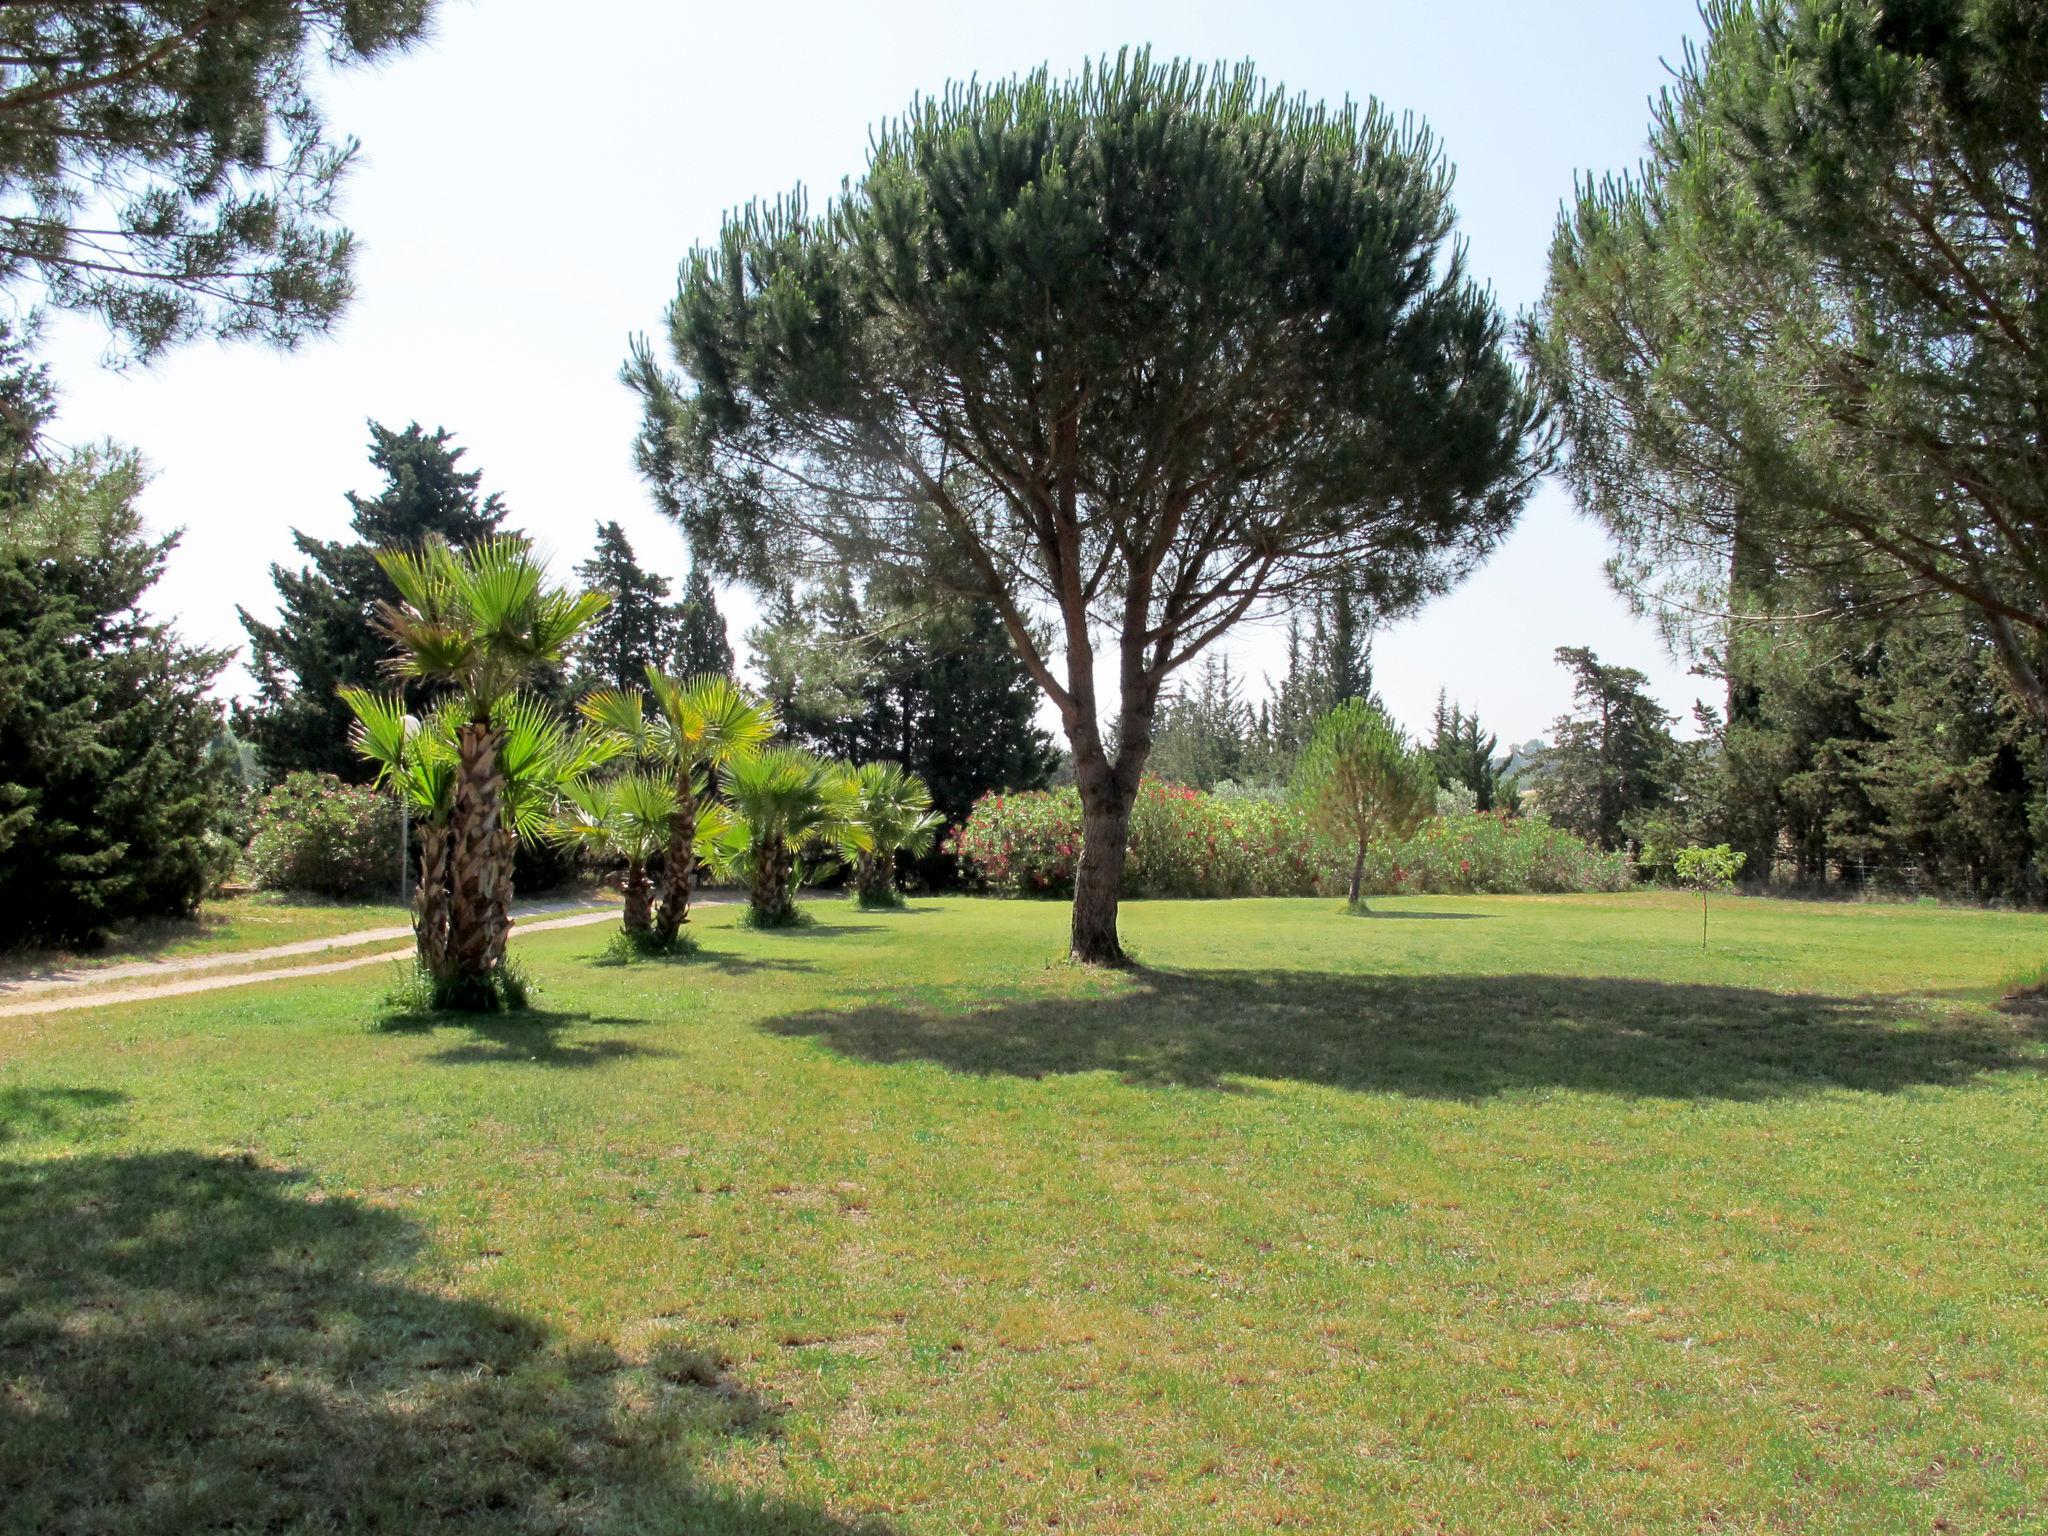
(72, 995)
(95, 975)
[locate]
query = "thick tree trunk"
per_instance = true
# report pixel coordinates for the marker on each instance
(430, 902)
(678, 866)
(478, 857)
(774, 905)
(1098, 881)
(1358, 876)
(639, 893)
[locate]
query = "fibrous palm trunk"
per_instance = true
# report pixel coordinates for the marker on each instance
(479, 873)
(774, 905)
(875, 878)
(639, 893)
(430, 902)
(678, 866)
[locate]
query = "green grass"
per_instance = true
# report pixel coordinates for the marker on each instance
(1474, 1216)
(221, 927)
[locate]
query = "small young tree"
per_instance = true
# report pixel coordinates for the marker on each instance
(1705, 870)
(1129, 357)
(1360, 782)
(895, 810)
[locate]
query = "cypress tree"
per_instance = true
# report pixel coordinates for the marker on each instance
(702, 647)
(639, 629)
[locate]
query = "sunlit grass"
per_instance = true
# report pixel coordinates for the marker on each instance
(1490, 1215)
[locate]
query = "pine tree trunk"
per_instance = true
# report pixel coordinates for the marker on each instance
(478, 859)
(678, 866)
(430, 902)
(1098, 881)
(639, 893)
(1358, 876)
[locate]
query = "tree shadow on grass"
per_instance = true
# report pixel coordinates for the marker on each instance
(1419, 917)
(26, 1110)
(528, 1037)
(1442, 1037)
(191, 1342)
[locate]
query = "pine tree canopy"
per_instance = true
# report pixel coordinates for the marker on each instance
(1806, 337)
(1129, 356)
(323, 639)
(167, 167)
(1142, 350)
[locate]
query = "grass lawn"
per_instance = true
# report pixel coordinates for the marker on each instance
(1475, 1216)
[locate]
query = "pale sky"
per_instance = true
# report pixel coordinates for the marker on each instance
(531, 178)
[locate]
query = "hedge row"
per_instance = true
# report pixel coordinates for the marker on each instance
(1184, 843)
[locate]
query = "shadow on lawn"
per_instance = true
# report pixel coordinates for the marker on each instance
(529, 1037)
(29, 1111)
(1447, 1037)
(194, 1342)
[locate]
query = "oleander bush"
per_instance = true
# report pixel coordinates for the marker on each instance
(316, 834)
(1489, 852)
(1185, 843)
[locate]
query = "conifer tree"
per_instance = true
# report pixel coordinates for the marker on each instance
(934, 688)
(640, 627)
(702, 647)
(1128, 357)
(1610, 761)
(166, 166)
(323, 641)
(113, 804)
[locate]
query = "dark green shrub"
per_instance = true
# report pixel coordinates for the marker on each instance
(314, 833)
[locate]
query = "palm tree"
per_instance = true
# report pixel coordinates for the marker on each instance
(541, 758)
(793, 815)
(695, 729)
(482, 620)
(895, 809)
(625, 818)
(419, 767)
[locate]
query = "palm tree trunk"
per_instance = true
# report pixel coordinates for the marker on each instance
(430, 902)
(498, 917)
(678, 865)
(477, 854)
(639, 893)
(875, 878)
(773, 906)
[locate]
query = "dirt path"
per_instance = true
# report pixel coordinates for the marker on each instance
(72, 995)
(95, 975)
